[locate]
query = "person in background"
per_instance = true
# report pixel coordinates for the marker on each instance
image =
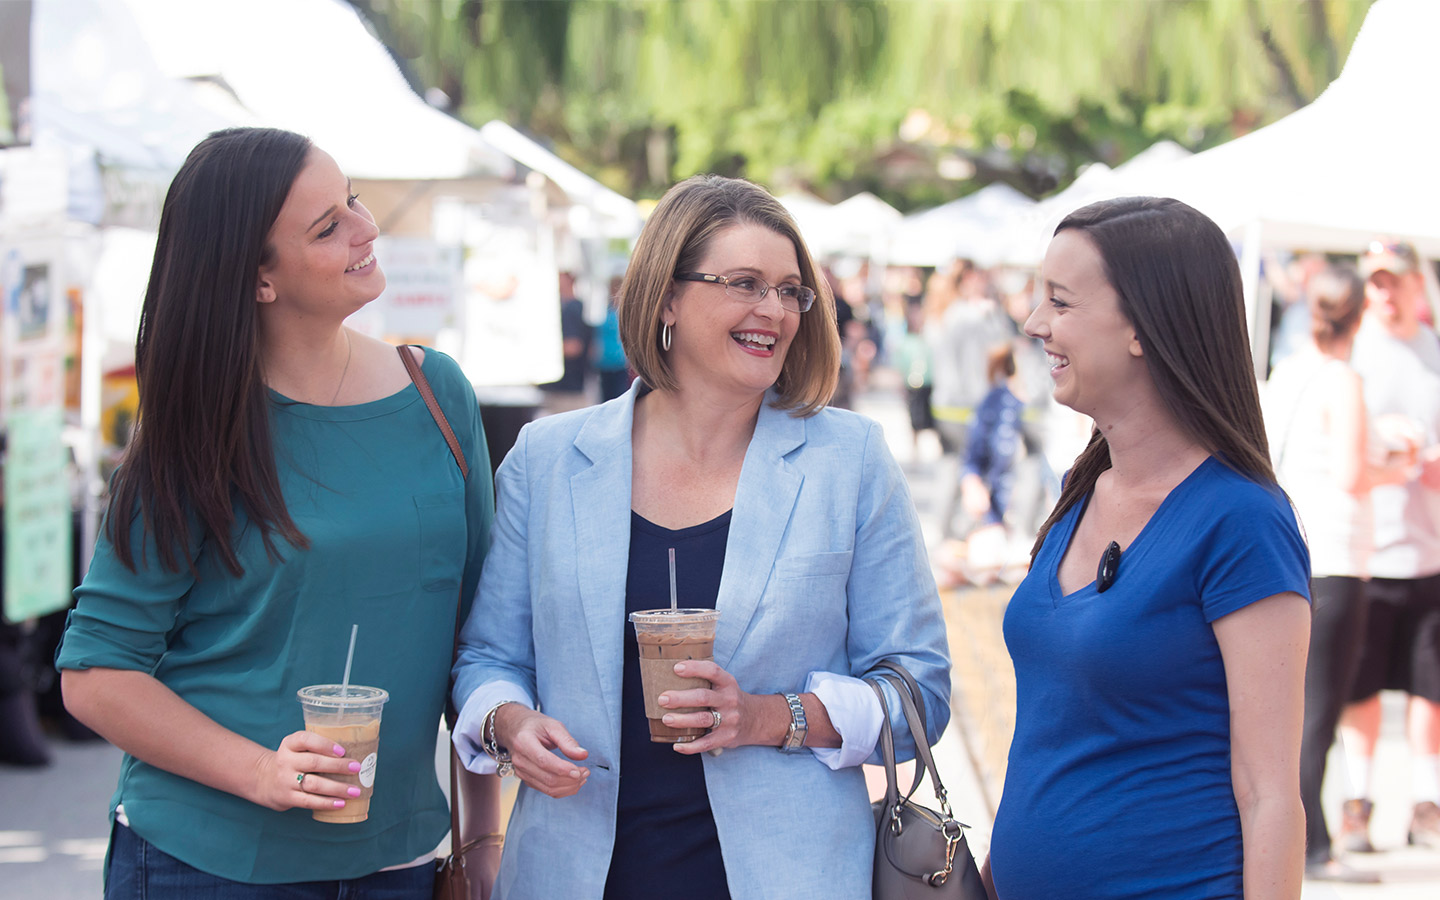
(1290, 316)
(912, 361)
(1318, 430)
(1398, 358)
(789, 518)
(286, 480)
(968, 327)
(1159, 638)
(987, 473)
(610, 362)
(571, 391)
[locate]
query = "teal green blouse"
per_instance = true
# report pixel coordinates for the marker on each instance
(396, 537)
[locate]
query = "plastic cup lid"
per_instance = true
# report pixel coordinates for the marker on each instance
(328, 696)
(675, 616)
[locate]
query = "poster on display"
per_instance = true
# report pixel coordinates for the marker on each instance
(34, 321)
(422, 289)
(512, 306)
(37, 515)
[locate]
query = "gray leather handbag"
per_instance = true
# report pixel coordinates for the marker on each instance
(920, 854)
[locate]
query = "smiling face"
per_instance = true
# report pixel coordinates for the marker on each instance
(726, 342)
(323, 246)
(1095, 357)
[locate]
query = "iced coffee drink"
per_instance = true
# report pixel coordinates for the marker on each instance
(667, 636)
(351, 718)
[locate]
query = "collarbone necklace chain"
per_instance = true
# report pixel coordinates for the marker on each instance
(349, 349)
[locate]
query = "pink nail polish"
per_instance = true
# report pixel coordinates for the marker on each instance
(354, 767)
(354, 791)
(339, 804)
(338, 750)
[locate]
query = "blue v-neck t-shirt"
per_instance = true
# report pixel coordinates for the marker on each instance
(397, 537)
(1119, 780)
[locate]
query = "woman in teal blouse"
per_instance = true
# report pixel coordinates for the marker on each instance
(286, 482)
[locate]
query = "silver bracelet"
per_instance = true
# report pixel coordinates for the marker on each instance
(492, 748)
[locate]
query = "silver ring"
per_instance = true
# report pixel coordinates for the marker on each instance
(715, 718)
(300, 781)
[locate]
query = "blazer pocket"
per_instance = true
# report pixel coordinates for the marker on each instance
(813, 565)
(442, 539)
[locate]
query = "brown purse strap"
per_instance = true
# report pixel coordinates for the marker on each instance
(422, 384)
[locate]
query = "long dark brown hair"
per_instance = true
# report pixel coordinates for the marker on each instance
(202, 445)
(1179, 286)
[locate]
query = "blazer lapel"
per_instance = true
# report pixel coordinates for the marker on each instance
(764, 500)
(600, 495)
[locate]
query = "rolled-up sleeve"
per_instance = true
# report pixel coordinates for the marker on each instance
(893, 605)
(855, 712)
(123, 619)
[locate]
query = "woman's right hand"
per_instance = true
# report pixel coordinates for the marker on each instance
(531, 736)
(291, 777)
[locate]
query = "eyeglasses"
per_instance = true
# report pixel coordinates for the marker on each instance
(794, 297)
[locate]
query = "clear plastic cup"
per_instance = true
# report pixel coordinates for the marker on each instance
(667, 636)
(351, 718)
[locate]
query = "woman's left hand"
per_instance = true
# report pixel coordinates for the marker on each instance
(738, 710)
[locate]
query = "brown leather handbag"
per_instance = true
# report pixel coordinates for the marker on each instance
(920, 854)
(472, 858)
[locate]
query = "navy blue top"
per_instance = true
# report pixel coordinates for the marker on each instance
(1119, 776)
(665, 834)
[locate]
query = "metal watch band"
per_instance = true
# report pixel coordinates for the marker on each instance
(795, 737)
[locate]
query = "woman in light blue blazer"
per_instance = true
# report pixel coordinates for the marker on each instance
(791, 519)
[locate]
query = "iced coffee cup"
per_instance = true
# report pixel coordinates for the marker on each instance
(349, 716)
(667, 636)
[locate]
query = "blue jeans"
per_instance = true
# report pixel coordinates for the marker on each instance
(138, 871)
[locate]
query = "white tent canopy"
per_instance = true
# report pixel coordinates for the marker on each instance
(1025, 238)
(858, 226)
(618, 215)
(1358, 162)
(312, 67)
(968, 227)
(810, 213)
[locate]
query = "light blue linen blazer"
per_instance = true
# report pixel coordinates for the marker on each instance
(825, 570)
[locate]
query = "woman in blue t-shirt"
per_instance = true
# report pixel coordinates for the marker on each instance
(1159, 640)
(286, 481)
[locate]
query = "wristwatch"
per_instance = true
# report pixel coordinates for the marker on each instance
(795, 738)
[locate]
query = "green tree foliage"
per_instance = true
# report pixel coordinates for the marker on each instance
(917, 100)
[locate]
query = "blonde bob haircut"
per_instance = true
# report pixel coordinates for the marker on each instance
(674, 239)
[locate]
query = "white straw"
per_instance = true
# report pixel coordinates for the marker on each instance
(674, 598)
(349, 658)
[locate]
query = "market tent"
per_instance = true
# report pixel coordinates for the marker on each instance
(1358, 162)
(858, 227)
(811, 216)
(965, 228)
(1025, 238)
(312, 67)
(598, 210)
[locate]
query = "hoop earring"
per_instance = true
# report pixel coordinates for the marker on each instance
(665, 336)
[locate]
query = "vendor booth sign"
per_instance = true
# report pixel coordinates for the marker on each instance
(422, 286)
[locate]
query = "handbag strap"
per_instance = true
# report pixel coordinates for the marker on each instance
(914, 711)
(887, 750)
(422, 384)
